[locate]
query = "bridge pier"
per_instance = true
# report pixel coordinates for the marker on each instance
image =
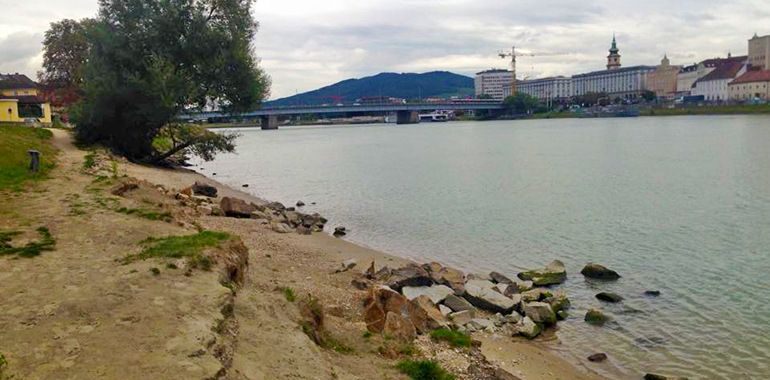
(269, 122)
(407, 117)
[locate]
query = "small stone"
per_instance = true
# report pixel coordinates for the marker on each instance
(598, 357)
(609, 297)
(245, 185)
(348, 265)
(300, 203)
(652, 376)
(482, 324)
(652, 293)
(340, 232)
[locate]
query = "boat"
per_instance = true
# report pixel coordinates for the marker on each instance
(434, 117)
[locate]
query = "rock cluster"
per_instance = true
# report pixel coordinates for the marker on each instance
(280, 218)
(431, 296)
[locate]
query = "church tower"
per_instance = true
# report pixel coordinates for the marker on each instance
(613, 60)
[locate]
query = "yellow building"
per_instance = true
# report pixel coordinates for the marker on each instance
(663, 80)
(754, 84)
(20, 101)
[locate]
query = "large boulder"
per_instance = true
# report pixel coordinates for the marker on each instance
(237, 208)
(380, 301)
(204, 189)
(537, 294)
(436, 293)
(500, 278)
(527, 327)
(293, 218)
(409, 275)
(559, 302)
(553, 274)
(458, 304)
(276, 206)
(462, 317)
(450, 277)
(399, 327)
(596, 317)
(434, 318)
(599, 272)
(482, 295)
(540, 312)
(481, 324)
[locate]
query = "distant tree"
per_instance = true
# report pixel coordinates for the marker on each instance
(65, 51)
(521, 103)
(484, 96)
(648, 95)
(150, 60)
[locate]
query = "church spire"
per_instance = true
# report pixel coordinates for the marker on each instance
(613, 60)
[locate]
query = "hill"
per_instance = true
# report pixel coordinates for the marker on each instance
(407, 86)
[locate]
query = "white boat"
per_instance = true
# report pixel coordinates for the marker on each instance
(434, 117)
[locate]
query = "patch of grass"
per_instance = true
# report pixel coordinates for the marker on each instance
(155, 271)
(31, 249)
(171, 266)
(407, 349)
(367, 334)
(176, 247)
(90, 161)
(289, 293)
(3, 366)
(15, 141)
(424, 370)
(233, 288)
(453, 337)
(149, 215)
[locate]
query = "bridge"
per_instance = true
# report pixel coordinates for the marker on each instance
(405, 113)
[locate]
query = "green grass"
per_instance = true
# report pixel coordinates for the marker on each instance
(289, 293)
(90, 161)
(424, 370)
(31, 249)
(3, 366)
(15, 141)
(712, 110)
(175, 247)
(453, 337)
(367, 334)
(149, 215)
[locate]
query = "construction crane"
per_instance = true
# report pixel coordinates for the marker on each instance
(513, 54)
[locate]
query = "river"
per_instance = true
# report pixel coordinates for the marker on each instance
(675, 204)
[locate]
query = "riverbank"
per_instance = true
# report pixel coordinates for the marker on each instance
(67, 306)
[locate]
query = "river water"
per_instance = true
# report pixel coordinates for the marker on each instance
(675, 204)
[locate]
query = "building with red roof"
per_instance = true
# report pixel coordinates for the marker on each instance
(753, 84)
(20, 102)
(713, 86)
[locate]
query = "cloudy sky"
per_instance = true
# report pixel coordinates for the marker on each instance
(306, 44)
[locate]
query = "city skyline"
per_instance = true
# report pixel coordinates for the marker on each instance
(300, 42)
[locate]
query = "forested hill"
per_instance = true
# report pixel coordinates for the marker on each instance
(407, 86)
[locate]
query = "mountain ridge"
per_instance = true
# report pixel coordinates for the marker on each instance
(396, 85)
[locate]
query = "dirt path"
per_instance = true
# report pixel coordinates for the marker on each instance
(76, 313)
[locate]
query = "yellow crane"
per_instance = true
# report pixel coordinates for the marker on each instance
(513, 54)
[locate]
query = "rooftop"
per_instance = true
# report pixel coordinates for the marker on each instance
(620, 70)
(753, 76)
(726, 70)
(11, 81)
(492, 71)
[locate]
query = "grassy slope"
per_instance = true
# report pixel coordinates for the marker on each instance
(723, 110)
(15, 141)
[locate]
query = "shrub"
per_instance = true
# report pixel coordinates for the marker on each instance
(424, 370)
(453, 337)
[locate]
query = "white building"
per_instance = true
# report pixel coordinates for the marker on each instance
(628, 82)
(492, 82)
(713, 86)
(547, 89)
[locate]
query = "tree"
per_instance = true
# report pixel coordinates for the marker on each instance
(484, 96)
(150, 60)
(648, 95)
(65, 51)
(521, 103)
(179, 139)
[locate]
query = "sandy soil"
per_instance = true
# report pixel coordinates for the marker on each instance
(76, 313)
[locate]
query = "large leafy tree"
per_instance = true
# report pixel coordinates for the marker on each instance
(151, 59)
(521, 103)
(65, 51)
